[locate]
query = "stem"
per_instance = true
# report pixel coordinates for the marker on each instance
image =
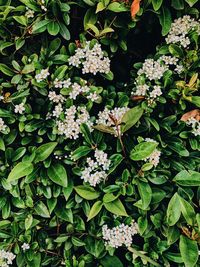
(138, 253)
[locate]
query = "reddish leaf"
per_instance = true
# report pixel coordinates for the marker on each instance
(191, 114)
(135, 7)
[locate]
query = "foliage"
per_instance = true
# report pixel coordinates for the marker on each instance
(92, 140)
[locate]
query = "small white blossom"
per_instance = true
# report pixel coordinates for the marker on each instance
(119, 235)
(156, 91)
(57, 110)
(179, 69)
(2, 125)
(66, 83)
(19, 108)
(153, 69)
(141, 90)
(25, 246)
(29, 13)
(154, 158)
(57, 83)
(42, 75)
(6, 258)
(92, 59)
(93, 96)
(180, 28)
(195, 124)
(95, 173)
(55, 98)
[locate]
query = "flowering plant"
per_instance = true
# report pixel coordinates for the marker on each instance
(99, 164)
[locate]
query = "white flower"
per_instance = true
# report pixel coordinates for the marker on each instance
(66, 83)
(92, 59)
(2, 125)
(6, 258)
(107, 117)
(179, 69)
(76, 90)
(25, 246)
(55, 98)
(119, 235)
(42, 75)
(153, 69)
(154, 158)
(57, 83)
(169, 60)
(29, 13)
(180, 29)
(19, 108)
(57, 111)
(74, 117)
(102, 159)
(195, 124)
(141, 90)
(93, 96)
(156, 92)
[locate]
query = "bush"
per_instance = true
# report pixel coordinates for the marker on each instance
(99, 133)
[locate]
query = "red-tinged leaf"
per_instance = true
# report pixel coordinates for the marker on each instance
(135, 7)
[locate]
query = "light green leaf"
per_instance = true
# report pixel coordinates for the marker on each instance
(187, 178)
(173, 210)
(131, 117)
(42, 210)
(145, 194)
(143, 150)
(96, 208)
(44, 151)
(86, 192)
(20, 170)
(187, 211)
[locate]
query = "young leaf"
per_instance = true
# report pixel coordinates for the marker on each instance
(96, 208)
(187, 178)
(135, 7)
(20, 170)
(58, 174)
(42, 210)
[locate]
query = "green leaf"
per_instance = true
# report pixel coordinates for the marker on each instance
(58, 174)
(2, 144)
(187, 210)
(173, 210)
(191, 2)
(20, 170)
(145, 194)
(131, 117)
(80, 152)
(165, 20)
(86, 133)
(189, 251)
(100, 7)
(42, 210)
(111, 261)
(86, 192)
(53, 28)
(143, 150)
(21, 19)
(44, 151)
(64, 31)
(40, 26)
(117, 7)
(116, 207)
(6, 70)
(178, 4)
(187, 178)
(96, 208)
(105, 129)
(89, 2)
(157, 4)
(176, 50)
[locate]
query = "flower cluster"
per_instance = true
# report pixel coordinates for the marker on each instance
(74, 117)
(19, 108)
(29, 13)
(91, 59)
(6, 258)
(111, 117)
(180, 29)
(154, 158)
(77, 89)
(25, 246)
(95, 172)
(62, 84)
(195, 124)
(119, 235)
(2, 125)
(55, 98)
(42, 75)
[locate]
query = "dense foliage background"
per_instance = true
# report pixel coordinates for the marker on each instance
(99, 133)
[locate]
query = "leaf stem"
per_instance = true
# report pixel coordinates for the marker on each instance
(138, 253)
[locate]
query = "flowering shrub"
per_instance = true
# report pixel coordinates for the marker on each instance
(99, 153)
